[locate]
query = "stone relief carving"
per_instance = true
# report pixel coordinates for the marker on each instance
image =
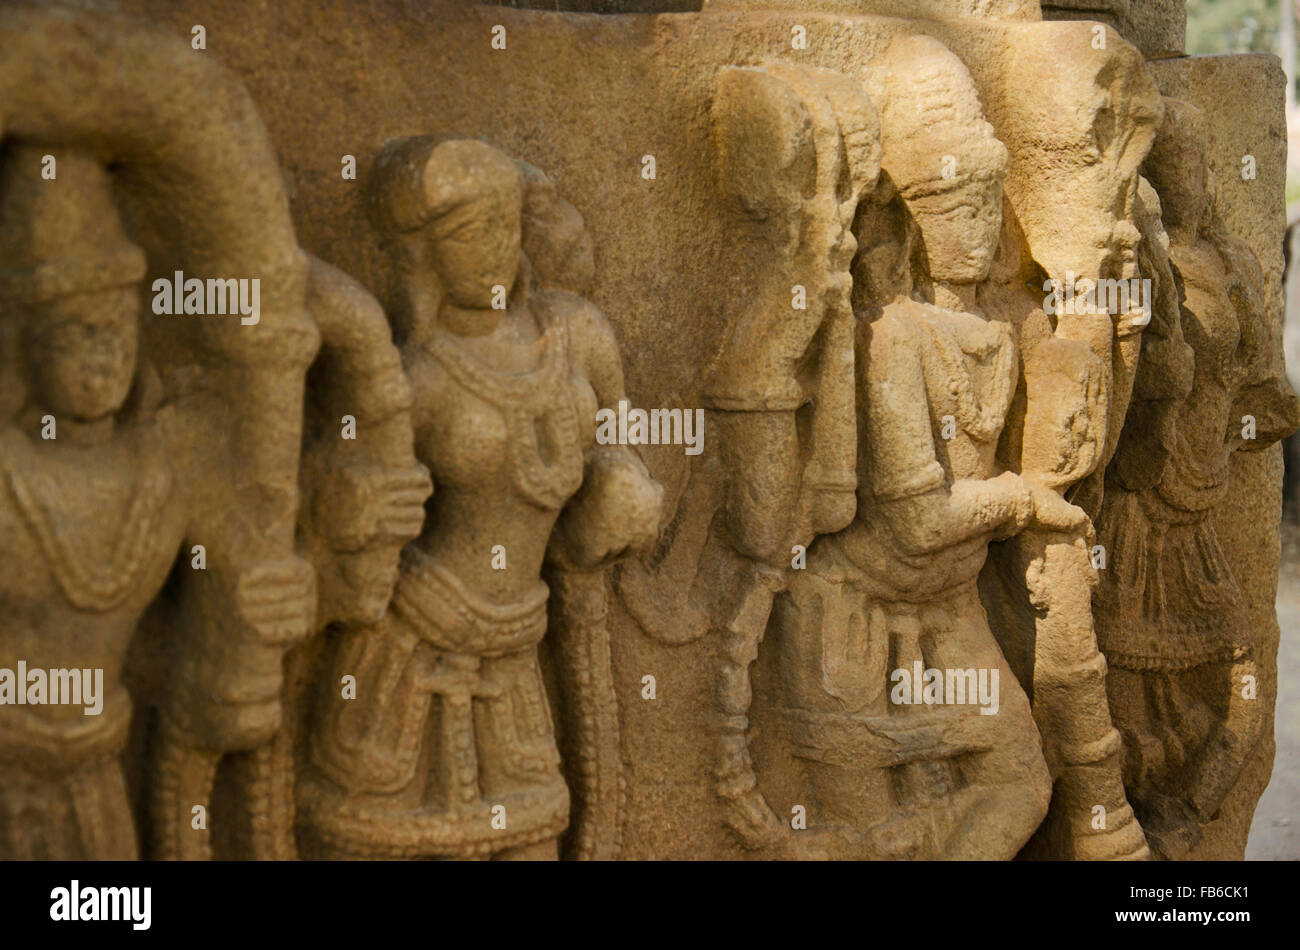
(504, 412)
(364, 579)
(1170, 617)
(362, 499)
(72, 279)
(112, 411)
(796, 149)
(898, 587)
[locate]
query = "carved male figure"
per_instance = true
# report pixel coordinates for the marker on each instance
(94, 508)
(899, 585)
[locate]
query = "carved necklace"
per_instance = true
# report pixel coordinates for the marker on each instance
(543, 450)
(983, 418)
(89, 581)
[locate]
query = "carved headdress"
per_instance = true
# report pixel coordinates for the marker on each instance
(58, 236)
(423, 178)
(418, 181)
(940, 152)
(932, 112)
(62, 235)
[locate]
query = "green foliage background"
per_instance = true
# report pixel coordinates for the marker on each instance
(1232, 26)
(1238, 26)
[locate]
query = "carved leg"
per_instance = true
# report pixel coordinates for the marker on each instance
(81, 815)
(991, 786)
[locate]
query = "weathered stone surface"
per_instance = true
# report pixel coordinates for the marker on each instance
(1242, 99)
(1156, 27)
(923, 9)
(135, 441)
(871, 591)
(604, 6)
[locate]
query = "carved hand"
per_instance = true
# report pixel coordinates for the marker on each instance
(371, 501)
(1013, 497)
(1051, 510)
(275, 599)
(617, 512)
(227, 694)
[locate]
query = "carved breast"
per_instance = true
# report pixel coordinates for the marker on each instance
(490, 430)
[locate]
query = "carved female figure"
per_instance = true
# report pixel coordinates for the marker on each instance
(448, 749)
(1172, 621)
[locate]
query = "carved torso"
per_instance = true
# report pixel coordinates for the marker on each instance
(936, 396)
(92, 533)
(969, 366)
(505, 449)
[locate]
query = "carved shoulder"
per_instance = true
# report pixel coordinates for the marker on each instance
(593, 348)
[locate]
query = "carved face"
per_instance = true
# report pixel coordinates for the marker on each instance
(476, 247)
(961, 229)
(82, 352)
(944, 157)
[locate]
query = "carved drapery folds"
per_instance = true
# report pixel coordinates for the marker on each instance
(373, 563)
